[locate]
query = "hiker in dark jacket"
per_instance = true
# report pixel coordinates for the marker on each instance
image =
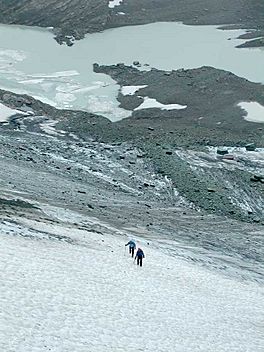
(139, 256)
(132, 247)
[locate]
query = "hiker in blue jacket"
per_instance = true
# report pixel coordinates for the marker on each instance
(139, 256)
(132, 247)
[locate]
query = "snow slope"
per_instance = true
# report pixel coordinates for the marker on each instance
(65, 289)
(6, 112)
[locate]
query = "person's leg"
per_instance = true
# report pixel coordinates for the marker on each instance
(140, 261)
(137, 260)
(132, 252)
(130, 249)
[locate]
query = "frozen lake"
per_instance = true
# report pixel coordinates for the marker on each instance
(32, 62)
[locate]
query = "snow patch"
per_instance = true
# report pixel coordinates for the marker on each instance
(149, 103)
(6, 112)
(254, 110)
(114, 3)
(49, 127)
(131, 90)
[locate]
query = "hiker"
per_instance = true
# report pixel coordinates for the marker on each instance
(132, 247)
(139, 256)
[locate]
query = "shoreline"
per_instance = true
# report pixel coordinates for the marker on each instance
(95, 16)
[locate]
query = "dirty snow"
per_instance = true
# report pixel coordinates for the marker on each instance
(65, 289)
(149, 103)
(48, 127)
(247, 161)
(250, 161)
(254, 111)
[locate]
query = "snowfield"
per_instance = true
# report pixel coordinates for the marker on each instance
(67, 289)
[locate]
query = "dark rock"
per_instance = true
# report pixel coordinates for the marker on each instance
(27, 102)
(250, 147)
(257, 178)
(222, 151)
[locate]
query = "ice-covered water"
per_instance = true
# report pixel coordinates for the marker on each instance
(32, 62)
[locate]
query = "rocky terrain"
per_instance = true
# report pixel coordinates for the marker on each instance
(157, 170)
(69, 18)
(75, 18)
(118, 184)
(186, 146)
(211, 96)
(183, 177)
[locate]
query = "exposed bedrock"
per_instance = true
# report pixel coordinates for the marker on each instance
(211, 96)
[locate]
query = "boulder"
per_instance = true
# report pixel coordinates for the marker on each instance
(250, 147)
(257, 178)
(222, 151)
